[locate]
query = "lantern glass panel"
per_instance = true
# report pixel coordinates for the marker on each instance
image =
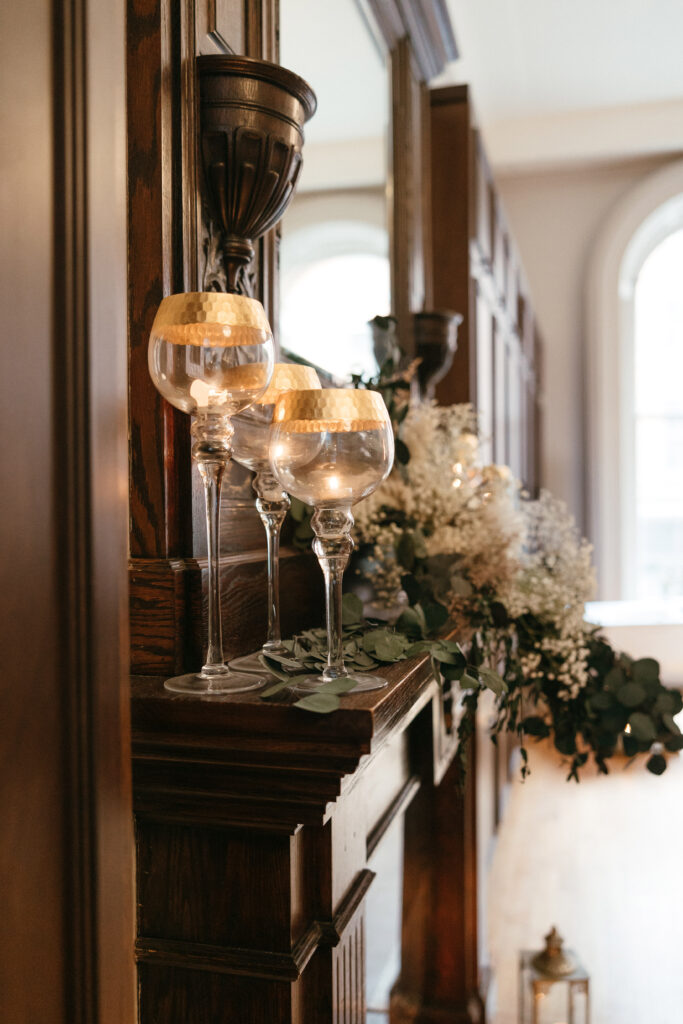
(545, 1000)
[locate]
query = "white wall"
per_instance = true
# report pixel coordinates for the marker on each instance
(554, 216)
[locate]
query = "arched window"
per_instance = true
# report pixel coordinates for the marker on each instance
(335, 277)
(654, 566)
(634, 364)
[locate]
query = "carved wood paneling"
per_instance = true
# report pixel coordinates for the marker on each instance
(168, 607)
(348, 996)
(252, 833)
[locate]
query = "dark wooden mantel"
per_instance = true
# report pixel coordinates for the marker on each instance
(254, 824)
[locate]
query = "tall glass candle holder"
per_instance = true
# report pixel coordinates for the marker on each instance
(251, 448)
(331, 449)
(211, 355)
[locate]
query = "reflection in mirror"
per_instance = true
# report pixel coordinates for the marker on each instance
(334, 253)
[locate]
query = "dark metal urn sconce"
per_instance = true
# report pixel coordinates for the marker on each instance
(252, 115)
(436, 340)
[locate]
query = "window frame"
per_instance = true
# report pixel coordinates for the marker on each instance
(646, 215)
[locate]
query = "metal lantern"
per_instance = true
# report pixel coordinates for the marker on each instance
(553, 986)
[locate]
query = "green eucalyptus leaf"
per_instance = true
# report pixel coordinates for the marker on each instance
(272, 660)
(412, 587)
(631, 695)
(674, 743)
(670, 723)
(304, 531)
(448, 656)
(390, 648)
(344, 684)
(667, 701)
(436, 616)
(419, 647)
(321, 703)
(405, 550)
(469, 682)
(565, 742)
(614, 720)
(615, 679)
(352, 609)
(370, 639)
(401, 451)
(274, 688)
(411, 622)
(601, 701)
(656, 764)
(492, 680)
(298, 510)
(534, 725)
(363, 660)
(451, 672)
(645, 670)
(642, 727)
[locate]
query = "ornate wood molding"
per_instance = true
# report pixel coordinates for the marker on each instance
(426, 23)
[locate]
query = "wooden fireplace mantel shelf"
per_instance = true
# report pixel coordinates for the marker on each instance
(254, 824)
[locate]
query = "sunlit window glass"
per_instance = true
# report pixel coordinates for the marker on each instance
(326, 306)
(658, 426)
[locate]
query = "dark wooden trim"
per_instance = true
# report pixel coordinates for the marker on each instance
(91, 512)
(332, 931)
(251, 963)
(396, 808)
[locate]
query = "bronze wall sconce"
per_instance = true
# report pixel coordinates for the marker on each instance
(435, 336)
(252, 115)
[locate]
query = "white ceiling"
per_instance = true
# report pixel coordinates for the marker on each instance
(328, 43)
(535, 65)
(553, 81)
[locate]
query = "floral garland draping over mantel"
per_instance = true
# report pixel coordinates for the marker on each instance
(446, 543)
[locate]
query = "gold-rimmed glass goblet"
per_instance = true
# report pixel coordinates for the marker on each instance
(211, 355)
(331, 449)
(251, 448)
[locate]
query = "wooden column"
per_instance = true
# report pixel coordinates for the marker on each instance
(66, 849)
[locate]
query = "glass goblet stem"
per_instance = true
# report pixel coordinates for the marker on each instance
(272, 504)
(333, 547)
(211, 451)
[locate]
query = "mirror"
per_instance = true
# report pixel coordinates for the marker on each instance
(334, 252)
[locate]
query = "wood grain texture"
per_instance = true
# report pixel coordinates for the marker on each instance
(439, 978)
(348, 994)
(477, 272)
(66, 844)
(253, 823)
(159, 435)
(168, 607)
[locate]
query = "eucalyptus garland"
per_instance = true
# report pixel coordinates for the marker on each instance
(447, 544)
(367, 645)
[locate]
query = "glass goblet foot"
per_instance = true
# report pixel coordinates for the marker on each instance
(252, 663)
(214, 684)
(363, 683)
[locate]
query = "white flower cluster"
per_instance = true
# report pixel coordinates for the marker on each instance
(527, 555)
(458, 507)
(554, 580)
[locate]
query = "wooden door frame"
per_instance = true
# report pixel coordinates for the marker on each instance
(90, 505)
